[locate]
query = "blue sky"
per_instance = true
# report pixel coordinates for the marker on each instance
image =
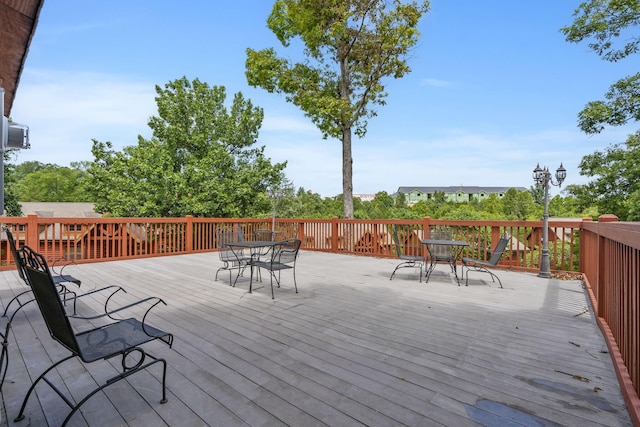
(494, 89)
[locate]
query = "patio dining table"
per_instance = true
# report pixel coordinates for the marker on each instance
(456, 250)
(254, 247)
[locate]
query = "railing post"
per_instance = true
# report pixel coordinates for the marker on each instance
(581, 249)
(603, 260)
(189, 234)
(32, 236)
(607, 218)
(426, 227)
(334, 234)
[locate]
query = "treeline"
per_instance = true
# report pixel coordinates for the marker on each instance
(44, 182)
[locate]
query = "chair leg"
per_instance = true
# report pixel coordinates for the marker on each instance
(484, 270)
(432, 266)
(271, 279)
(408, 264)
(17, 299)
(127, 371)
(295, 285)
(4, 355)
(251, 278)
(499, 282)
(20, 416)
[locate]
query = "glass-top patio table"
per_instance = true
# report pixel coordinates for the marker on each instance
(444, 251)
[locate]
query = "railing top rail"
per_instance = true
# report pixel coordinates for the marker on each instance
(627, 233)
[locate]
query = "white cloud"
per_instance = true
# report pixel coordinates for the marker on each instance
(66, 110)
(435, 82)
(286, 123)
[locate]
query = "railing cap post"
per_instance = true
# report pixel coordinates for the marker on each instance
(607, 218)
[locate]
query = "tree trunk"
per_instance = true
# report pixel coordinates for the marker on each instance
(346, 122)
(347, 175)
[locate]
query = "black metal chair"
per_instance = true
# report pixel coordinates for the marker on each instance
(408, 261)
(4, 356)
(263, 235)
(240, 233)
(483, 266)
(117, 338)
(440, 254)
(58, 279)
(283, 256)
(232, 258)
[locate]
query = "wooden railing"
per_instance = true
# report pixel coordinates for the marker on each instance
(610, 254)
(103, 239)
(606, 253)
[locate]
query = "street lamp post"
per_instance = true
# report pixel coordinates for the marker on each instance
(274, 194)
(543, 178)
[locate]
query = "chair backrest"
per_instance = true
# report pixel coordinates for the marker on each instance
(286, 252)
(264, 235)
(240, 233)
(225, 252)
(48, 300)
(225, 237)
(499, 249)
(18, 256)
(441, 251)
(396, 241)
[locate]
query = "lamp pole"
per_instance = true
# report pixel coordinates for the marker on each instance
(543, 178)
(275, 193)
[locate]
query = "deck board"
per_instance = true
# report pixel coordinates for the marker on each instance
(351, 348)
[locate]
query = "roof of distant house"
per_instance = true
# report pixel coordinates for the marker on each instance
(60, 209)
(456, 188)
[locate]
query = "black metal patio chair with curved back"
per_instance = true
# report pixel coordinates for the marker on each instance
(281, 256)
(408, 261)
(118, 337)
(25, 297)
(483, 266)
(233, 258)
(59, 280)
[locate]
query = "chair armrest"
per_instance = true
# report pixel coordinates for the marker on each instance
(56, 261)
(109, 313)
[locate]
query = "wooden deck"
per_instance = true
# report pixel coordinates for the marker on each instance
(352, 348)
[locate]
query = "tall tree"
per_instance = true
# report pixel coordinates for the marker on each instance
(611, 29)
(52, 183)
(350, 47)
(617, 185)
(200, 160)
(11, 205)
(518, 204)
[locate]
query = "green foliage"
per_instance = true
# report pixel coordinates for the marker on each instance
(52, 183)
(604, 22)
(537, 192)
(200, 160)
(518, 204)
(492, 205)
(623, 106)
(11, 205)
(616, 185)
(350, 47)
(611, 28)
(44, 182)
